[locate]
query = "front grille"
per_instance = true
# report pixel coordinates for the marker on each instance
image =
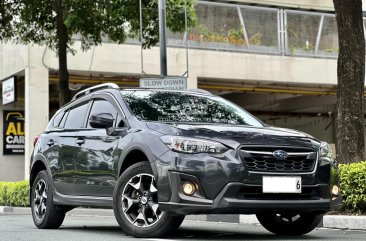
(261, 159)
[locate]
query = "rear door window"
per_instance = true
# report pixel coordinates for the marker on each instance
(76, 116)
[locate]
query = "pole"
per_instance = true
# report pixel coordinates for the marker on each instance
(162, 38)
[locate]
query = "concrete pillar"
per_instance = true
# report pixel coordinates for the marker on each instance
(36, 100)
(192, 81)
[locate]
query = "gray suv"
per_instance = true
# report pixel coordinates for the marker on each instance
(155, 156)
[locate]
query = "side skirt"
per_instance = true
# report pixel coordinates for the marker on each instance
(83, 201)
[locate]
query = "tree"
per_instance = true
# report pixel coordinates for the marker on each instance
(56, 23)
(6, 17)
(350, 140)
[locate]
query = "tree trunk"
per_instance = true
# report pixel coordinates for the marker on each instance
(350, 137)
(62, 37)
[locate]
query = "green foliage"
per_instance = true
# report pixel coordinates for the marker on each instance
(35, 21)
(353, 185)
(14, 193)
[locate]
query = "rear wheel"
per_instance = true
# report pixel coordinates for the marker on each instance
(289, 224)
(136, 207)
(44, 212)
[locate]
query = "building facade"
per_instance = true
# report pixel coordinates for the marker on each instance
(277, 59)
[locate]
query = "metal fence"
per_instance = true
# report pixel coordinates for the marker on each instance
(240, 28)
(252, 29)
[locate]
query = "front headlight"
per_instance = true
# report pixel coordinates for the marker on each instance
(325, 150)
(192, 145)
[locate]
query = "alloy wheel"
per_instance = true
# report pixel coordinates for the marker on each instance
(140, 201)
(40, 199)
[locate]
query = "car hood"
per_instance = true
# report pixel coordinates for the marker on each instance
(235, 135)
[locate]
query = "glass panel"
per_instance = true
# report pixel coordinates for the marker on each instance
(218, 28)
(262, 29)
(328, 45)
(302, 31)
(76, 117)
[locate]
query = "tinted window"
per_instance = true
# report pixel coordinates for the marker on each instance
(166, 106)
(57, 119)
(62, 123)
(76, 117)
(103, 106)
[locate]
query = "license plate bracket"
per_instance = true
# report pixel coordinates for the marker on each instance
(273, 184)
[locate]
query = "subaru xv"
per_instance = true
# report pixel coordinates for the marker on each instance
(156, 155)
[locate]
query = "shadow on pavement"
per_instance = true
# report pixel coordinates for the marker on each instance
(201, 233)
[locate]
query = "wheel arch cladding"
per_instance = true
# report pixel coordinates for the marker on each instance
(133, 156)
(36, 168)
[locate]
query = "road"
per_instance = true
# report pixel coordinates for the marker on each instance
(79, 228)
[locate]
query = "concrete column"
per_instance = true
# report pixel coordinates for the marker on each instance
(36, 100)
(192, 81)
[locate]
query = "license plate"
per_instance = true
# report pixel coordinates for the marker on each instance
(282, 184)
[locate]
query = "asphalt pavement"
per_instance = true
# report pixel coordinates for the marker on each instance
(79, 228)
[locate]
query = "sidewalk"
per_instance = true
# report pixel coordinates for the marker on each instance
(329, 221)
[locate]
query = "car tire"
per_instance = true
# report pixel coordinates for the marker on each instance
(289, 224)
(44, 212)
(135, 204)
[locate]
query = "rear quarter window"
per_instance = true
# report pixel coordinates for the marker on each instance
(76, 116)
(57, 119)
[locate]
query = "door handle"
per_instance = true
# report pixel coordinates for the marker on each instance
(50, 142)
(80, 141)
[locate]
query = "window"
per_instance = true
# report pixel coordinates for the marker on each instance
(76, 117)
(103, 106)
(62, 123)
(56, 119)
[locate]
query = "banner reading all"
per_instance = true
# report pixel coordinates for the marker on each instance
(14, 139)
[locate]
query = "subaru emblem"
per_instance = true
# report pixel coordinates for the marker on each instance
(279, 154)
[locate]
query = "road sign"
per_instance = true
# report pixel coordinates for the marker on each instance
(170, 83)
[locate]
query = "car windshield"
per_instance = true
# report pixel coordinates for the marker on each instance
(170, 106)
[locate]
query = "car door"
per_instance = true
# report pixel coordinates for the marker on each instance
(61, 143)
(97, 158)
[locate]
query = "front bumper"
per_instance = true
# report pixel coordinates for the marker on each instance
(228, 188)
(232, 201)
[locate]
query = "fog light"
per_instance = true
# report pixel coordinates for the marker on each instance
(335, 190)
(188, 188)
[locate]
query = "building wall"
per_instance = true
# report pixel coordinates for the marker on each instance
(13, 59)
(116, 59)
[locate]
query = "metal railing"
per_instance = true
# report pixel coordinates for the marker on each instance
(262, 30)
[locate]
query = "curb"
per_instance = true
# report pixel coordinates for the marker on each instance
(329, 221)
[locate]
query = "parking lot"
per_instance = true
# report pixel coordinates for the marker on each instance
(80, 228)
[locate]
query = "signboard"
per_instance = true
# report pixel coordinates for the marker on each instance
(9, 90)
(170, 83)
(14, 140)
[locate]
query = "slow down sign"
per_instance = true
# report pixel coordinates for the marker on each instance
(170, 83)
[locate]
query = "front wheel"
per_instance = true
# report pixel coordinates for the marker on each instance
(136, 207)
(289, 224)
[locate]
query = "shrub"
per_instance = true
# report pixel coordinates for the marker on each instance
(353, 186)
(14, 193)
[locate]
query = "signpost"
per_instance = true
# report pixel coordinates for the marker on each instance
(170, 83)
(164, 82)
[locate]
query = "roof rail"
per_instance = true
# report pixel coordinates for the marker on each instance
(95, 88)
(201, 91)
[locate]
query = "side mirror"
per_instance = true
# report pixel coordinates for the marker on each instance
(101, 120)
